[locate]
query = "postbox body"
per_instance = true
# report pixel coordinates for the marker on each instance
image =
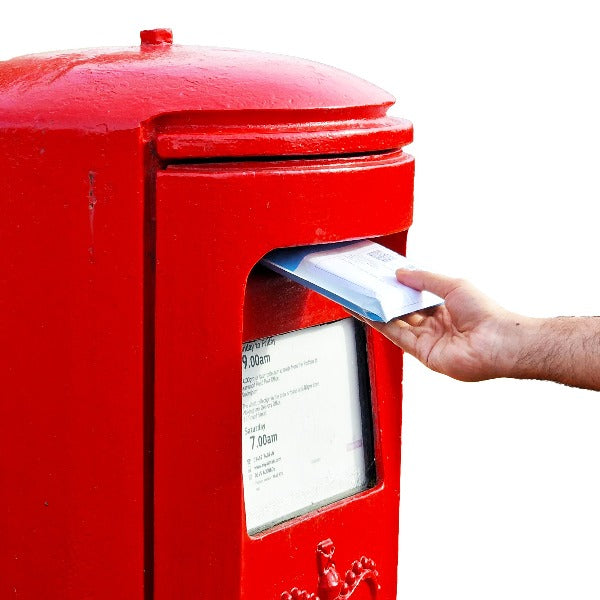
(140, 189)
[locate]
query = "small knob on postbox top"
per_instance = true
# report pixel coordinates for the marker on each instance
(156, 37)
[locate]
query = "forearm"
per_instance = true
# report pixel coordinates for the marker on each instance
(561, 349)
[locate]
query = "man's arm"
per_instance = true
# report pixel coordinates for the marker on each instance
(562, 349)
(471, 338)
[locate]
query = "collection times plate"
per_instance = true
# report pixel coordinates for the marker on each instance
(306, 422)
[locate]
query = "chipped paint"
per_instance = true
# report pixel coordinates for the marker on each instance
(92, 201)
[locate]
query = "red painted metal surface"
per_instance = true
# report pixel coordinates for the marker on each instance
(215, 223)
(284, 139)
(120, 439)
(119, 88)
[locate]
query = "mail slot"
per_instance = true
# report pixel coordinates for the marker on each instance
(179, 421)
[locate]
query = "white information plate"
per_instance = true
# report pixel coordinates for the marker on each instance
(306, 425)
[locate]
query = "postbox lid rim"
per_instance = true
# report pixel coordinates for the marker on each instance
(122, 87)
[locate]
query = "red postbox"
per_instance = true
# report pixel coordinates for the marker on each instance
(176, 421)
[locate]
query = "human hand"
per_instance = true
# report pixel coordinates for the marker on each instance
(469, 337)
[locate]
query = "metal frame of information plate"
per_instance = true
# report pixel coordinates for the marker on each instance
(366, 404)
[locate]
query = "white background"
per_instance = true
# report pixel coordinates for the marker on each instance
(501, 480)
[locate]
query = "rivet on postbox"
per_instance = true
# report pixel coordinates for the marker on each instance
(198, 426)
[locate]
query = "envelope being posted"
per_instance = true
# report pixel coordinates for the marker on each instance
(358, 275)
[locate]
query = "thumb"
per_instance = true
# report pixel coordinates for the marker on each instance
(424, 280)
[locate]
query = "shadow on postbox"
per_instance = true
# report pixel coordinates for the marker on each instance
(198, 426)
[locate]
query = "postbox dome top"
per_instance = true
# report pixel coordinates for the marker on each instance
(118, 88)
